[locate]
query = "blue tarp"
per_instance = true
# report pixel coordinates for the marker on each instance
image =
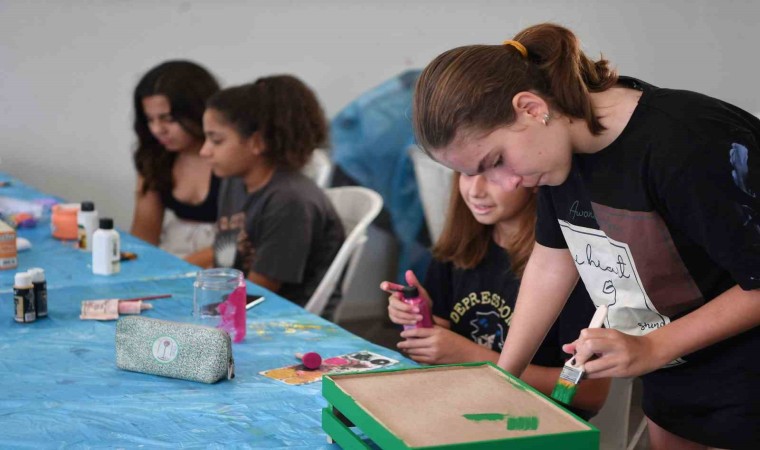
(370, 139)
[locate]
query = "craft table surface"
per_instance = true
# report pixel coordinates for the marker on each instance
(65, 265)
(61, 387)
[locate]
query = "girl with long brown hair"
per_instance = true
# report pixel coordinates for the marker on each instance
(472, 284)
(651, 195)
(176, 198)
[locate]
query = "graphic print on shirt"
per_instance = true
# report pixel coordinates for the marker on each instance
(232, 247)
(739, 159)
(609, 272)
(483, 316)
(487, 330)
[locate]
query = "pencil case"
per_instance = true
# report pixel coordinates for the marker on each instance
(173, 349)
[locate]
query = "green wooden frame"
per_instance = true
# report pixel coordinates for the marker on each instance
(342, 434)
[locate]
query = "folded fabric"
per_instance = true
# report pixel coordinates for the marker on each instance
(173, 349)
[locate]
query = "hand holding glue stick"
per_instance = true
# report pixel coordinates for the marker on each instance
(409, 306)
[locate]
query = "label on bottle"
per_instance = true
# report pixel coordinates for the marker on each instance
(81, 237)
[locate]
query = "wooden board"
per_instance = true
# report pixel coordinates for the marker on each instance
(444, 405)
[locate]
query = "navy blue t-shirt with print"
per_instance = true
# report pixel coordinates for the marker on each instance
(479, 303)
(660, 222)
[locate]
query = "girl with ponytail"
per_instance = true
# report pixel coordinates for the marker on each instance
(650, 195)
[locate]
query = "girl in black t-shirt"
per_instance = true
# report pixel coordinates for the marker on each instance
(275, 224)
(651, 195)
(472, 284)
(176, 198)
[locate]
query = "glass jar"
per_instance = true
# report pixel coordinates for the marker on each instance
(219, 300)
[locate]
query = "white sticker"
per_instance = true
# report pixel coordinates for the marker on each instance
(165, 349)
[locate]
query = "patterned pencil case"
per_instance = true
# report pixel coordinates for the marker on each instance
(173, 349)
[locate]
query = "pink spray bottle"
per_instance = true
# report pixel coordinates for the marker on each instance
(412, 297)
(232, 310)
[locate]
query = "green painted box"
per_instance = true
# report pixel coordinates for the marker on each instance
(473, 406)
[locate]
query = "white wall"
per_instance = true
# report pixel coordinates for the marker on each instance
(67, 68)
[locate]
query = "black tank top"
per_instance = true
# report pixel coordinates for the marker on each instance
(202, 212)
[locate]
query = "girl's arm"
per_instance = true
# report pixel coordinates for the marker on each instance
(549, 277)
(621, 355)
(148, 217)
(264, 281)
(203, 257)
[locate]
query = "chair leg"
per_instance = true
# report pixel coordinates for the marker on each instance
(637, 435)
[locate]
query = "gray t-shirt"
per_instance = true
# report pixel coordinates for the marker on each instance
(287, 231)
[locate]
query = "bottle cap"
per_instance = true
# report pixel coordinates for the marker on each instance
(410, 292)
(87, 206)
(106, 223)
(37, 274)
(22, 280)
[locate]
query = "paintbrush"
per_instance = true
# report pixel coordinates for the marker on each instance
(571, 374)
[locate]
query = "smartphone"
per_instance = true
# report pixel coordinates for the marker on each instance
(211, 309)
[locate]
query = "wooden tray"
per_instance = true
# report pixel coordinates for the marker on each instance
(474, 406)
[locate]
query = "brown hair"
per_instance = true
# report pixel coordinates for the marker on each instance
(283, 109)
(464, 241)
(470, 89)
(187, 86)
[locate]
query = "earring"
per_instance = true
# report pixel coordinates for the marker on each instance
(546, 118)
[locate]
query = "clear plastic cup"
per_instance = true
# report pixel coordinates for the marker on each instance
(219, 301)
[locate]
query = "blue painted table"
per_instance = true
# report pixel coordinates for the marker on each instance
(61, 387)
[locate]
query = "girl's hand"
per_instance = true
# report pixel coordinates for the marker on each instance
(399, 312)
(435, 345)
(617, 354)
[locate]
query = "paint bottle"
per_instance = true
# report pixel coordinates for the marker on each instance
(106, 254)
(40, 291)
(87, 223)
(412, 297)
(23, 298)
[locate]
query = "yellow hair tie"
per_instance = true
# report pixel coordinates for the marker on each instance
(520, 48)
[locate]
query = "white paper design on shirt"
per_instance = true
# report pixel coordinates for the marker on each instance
(607, 269)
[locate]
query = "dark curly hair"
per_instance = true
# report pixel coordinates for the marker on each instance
(187, 85)
(283, 109)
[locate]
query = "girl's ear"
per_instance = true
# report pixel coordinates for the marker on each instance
(256, 144)
(530, 104)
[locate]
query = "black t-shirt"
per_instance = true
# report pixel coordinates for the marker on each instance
(288, 231)
(660, 222)
(479, 303)
(203, 212)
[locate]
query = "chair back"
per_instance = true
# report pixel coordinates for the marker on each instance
(357, 207)
(319, 168)
(434, 185)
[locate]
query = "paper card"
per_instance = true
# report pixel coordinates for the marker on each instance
(350, 362)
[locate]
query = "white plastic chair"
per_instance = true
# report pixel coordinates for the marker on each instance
(357, 207)
(319, 168)
(434, 185)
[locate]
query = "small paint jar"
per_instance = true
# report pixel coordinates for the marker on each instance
(40, 291)
(63, 221)
(23, 298)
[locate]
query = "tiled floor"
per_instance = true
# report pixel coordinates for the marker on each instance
(385, 333)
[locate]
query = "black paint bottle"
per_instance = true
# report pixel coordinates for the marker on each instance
(23, 297)
(40, 291)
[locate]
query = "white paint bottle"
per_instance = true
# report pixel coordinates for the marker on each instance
(87, 223)
(106, 251)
